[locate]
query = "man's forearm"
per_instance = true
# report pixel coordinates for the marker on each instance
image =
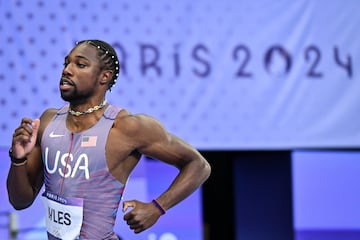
(20, 191)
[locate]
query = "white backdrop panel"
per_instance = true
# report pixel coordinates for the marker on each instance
(222, 74)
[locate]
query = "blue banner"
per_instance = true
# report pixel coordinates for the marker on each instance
(226, 75)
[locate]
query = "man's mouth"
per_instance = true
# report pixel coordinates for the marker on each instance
(65, 84)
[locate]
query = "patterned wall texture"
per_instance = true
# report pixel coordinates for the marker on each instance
(221, 74)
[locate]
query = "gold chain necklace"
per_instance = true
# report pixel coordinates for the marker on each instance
(90, 110)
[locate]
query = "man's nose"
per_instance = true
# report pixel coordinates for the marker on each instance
(67, 70)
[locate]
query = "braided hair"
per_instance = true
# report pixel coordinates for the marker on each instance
(108, 56)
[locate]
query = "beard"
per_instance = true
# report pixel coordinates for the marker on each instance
(69, 96)
(75, 96)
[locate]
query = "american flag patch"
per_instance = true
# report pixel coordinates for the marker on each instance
(88, 141)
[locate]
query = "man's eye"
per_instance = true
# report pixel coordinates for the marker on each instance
(80, 65)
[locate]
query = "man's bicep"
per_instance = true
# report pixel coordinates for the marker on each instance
(171, 150)
(156, 142)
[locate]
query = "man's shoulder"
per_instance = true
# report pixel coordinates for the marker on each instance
(129, 122)
(126, 116)
(49, 113)
(45, 118)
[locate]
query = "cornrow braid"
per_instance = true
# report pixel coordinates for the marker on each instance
(108, 57)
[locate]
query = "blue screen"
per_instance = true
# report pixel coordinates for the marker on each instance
(326, 195)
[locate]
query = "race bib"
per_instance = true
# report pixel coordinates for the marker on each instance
(64, 215)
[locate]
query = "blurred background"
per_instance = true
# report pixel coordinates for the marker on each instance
(267, 90)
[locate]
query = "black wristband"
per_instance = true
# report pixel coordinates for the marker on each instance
(158, 206)
(14, 159)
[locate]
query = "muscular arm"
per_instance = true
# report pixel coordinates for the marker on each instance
(24, 182)
(151, 139)
(193, 168)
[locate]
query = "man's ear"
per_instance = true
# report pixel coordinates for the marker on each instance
(106, 77)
